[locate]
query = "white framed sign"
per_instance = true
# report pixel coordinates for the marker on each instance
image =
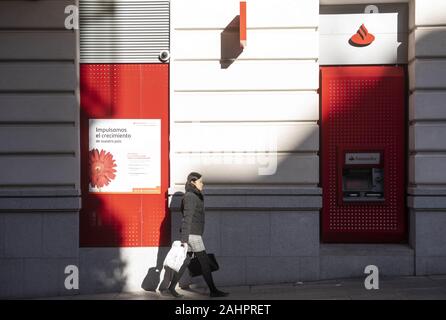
(125, 156)
(363, 34)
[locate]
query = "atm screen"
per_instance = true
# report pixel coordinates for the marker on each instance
(357, 179)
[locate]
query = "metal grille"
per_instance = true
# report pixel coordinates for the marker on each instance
(363, 107)
(120, 31)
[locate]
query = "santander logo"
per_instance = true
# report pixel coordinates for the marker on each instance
(362, 37)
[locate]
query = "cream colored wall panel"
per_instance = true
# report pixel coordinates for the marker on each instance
(411, 48)
(38, 45)
(411, 14)
(427, 169)
(42, 14)
(427, 74)
(429, 13)
(38, 107)
(262, 44)
(428, 42)
(248, 168)
(245, 106)
(245, 75)
(246, 137)
(427, 105)
(428, 137)
(37, 76)
(38, 138)
(39, 170)
(206, 14)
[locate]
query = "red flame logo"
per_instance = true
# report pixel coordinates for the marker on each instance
(362, 37)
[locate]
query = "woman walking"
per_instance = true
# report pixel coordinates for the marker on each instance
(192, 228)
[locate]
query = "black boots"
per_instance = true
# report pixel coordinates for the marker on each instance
(175, 293)
(218, 293)
(207, 275)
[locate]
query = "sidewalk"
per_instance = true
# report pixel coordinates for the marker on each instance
(390, 288)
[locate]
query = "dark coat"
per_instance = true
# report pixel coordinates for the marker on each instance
(192, 208)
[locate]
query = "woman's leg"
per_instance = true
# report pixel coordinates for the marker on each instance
(207, 274)
(197, 245)
(177, 276)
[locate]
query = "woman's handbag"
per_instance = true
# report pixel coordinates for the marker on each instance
(176, 256)
(195, 267)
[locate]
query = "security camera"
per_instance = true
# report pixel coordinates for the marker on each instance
(164, 56)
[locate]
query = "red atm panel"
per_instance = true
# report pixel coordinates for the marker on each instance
(363, 154)
(124, 91)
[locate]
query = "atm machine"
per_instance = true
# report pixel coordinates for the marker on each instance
(363, 154)
(362, 177)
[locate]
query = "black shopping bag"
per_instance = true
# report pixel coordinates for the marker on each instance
(195, 267)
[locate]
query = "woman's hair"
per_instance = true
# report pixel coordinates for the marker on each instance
(193, 176)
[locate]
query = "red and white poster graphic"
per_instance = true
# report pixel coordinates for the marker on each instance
(125, 156)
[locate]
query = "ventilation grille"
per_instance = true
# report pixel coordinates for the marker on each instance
(123, 31)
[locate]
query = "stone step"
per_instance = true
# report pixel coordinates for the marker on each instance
(350, 260)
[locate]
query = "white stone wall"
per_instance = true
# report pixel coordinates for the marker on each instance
(248, 121)
(427, 133)
(268, 92)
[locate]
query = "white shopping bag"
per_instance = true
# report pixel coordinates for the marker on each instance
(176, 256)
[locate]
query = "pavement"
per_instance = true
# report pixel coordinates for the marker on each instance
(390, 288)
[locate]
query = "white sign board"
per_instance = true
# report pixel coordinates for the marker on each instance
(388, 33)
(125, 156)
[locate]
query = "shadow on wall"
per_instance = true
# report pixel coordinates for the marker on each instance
(230, 43)
(159, 277)
(102, 273)
(100, 270)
